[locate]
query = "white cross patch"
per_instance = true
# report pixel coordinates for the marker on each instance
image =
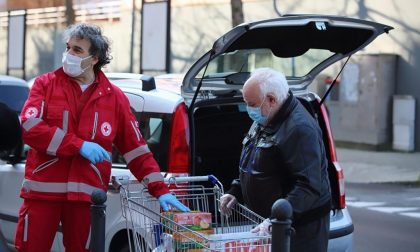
(31, 112)
(106, 129)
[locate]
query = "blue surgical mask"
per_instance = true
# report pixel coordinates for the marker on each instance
(256, 114)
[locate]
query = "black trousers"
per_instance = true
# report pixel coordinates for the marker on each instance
(312, 237)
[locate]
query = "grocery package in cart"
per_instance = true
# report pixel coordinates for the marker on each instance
(202, 229)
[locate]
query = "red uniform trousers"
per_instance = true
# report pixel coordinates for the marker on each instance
(39, 220)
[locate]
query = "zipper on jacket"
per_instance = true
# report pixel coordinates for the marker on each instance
(44, 165)
(95, 124)
(97, 172)
(25, 228)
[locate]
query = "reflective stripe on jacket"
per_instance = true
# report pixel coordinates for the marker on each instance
(55, 127)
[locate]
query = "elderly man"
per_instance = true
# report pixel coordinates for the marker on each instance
(283, 156)
(71, 120)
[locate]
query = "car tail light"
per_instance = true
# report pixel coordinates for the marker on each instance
(333, 158)
(179, 142)
(331, 145)
(341, 188)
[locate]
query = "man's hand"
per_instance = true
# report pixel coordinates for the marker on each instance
(168, 199)
(227, 202)
(263, 229)
(94, 152)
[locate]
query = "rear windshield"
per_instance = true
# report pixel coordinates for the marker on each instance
(248, 60)
(13, 96)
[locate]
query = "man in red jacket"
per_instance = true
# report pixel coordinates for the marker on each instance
(71, 120)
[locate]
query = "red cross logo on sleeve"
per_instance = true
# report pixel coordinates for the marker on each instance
(106, 129)
(31, 112)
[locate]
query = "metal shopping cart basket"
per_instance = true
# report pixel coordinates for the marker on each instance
(203, 229)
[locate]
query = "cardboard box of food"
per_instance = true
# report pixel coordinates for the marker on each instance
(195, 236)
(193, 220)
(192, 240)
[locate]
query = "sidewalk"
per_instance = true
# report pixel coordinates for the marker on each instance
(363, 166)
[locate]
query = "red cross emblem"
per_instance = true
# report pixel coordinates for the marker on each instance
(106, 129)
(31, 112)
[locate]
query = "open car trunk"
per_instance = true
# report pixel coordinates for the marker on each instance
(219, 126)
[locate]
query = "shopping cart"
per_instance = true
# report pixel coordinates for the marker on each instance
(203, 229)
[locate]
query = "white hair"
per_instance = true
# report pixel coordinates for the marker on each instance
(271, 81)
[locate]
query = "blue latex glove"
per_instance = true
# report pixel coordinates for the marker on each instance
(168, 199)
(94, 152)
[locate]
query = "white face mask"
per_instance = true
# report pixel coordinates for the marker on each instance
(72, 65)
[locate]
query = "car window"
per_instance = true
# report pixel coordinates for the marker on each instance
(13, 96)
(154, 128)
(248, 60)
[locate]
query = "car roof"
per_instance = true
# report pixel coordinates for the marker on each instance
(170, 82)
(155, 101)
(10, 80)
(118, 76)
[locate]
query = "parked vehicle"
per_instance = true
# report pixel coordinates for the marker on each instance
(195, 124)
(13, 93)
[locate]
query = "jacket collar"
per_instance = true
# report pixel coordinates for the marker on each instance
(104, 87)
(281, 114)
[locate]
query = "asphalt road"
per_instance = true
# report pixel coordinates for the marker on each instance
(386, 217)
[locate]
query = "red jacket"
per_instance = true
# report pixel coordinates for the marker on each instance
(55, 125)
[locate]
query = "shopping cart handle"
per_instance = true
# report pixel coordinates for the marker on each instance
(213, 179)
(210, 178)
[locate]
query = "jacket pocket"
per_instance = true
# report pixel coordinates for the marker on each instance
(87, 245)
(44, 165)
(265, 157)
(25, 227)
(41, 114)
(246, 140)
(265, 144)
(95, 125)
(96, 170)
